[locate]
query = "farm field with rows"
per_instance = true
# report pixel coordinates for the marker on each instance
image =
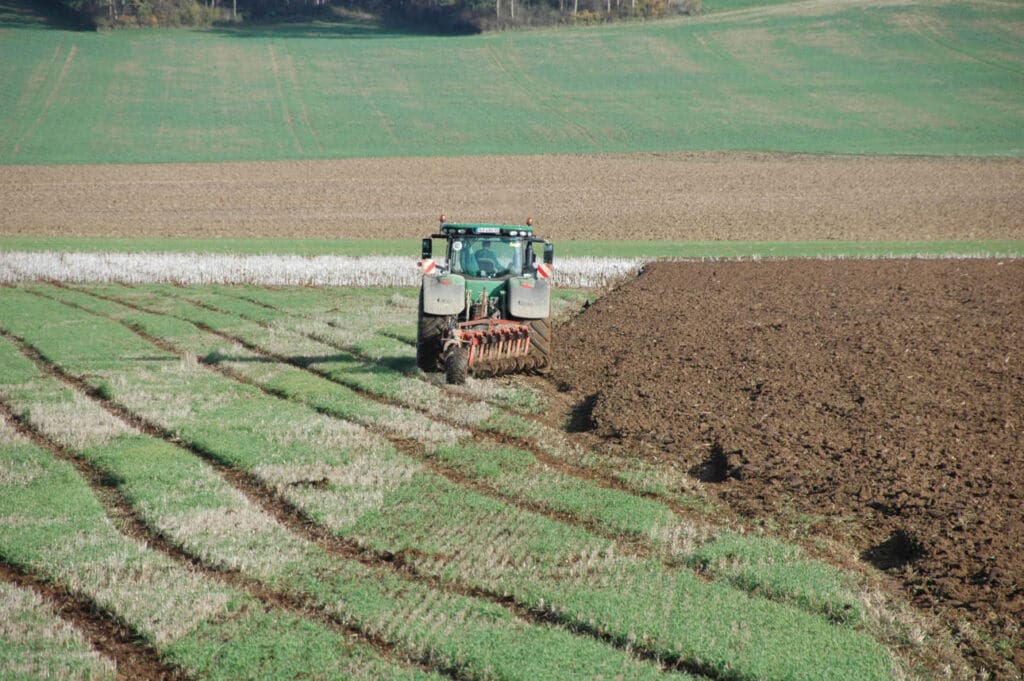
(266, 464)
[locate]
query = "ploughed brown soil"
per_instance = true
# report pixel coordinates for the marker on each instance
(673, 196)
(884, 399)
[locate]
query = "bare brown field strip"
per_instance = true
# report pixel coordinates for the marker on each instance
(671, 196)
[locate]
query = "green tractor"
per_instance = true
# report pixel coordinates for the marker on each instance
(485, 308)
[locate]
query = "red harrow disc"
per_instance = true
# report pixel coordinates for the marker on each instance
(492, 340)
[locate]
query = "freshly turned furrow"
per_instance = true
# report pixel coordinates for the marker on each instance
(115, 651)
(660, 538)
(577, 576)
(520, 636)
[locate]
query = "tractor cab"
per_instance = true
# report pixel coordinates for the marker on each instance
(486, 257)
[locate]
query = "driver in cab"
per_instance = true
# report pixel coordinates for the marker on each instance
(486, 260)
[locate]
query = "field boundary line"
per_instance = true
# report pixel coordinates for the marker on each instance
(281, 98)
(300, 524)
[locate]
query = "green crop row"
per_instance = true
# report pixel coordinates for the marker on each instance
(184, 499)
(345, 479)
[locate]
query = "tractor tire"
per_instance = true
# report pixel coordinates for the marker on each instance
(456, 366)
(428, 339)
(539, 356)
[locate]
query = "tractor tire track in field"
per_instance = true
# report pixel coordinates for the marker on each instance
(135, 659)
(49, 101)
(931, 33)
(293, 81)
(300, 524)
(32, 92)
(287, 115)
(521, 81)
(131, 525)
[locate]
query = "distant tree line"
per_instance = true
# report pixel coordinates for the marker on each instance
(448, 16)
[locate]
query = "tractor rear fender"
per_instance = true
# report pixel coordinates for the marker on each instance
(444, 294)
(529, 298)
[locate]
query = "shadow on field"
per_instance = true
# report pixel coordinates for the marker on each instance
(380, 365)
(341, 26)
(311, 29)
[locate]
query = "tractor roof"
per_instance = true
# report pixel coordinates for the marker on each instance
(488, 229)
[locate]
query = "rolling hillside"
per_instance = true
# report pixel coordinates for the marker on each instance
(861, 77)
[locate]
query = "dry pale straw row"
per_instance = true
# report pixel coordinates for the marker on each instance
(265, 270)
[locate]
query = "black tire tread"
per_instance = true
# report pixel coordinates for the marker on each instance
(428, 339)
(540, 344)
(456, 366)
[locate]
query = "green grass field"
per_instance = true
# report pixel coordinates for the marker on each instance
(851, 78)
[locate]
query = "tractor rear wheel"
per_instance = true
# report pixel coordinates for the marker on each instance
(428, 339)
(540, 345)
(456, 366)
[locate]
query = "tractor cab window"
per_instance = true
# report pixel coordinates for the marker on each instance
(487, 257)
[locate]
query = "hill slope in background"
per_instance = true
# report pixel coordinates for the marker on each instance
(875, 77)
